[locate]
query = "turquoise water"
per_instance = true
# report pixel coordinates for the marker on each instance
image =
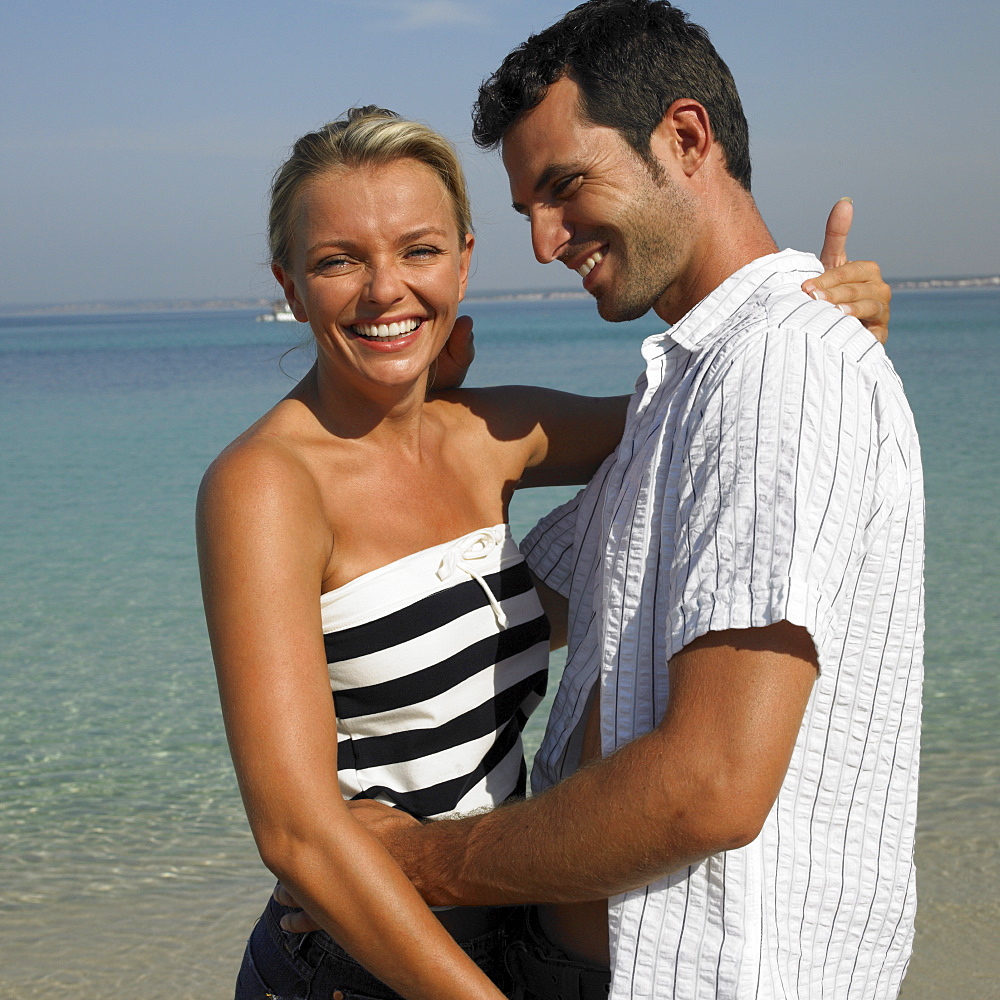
(126, 868)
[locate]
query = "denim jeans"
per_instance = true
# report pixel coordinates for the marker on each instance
(541, 970)
(278, 965)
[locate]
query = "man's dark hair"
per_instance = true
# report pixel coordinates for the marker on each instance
(631, 59)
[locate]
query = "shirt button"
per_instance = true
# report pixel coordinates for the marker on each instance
(338, 995)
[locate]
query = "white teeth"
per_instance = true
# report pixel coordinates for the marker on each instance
(589, 264)
(386, 330)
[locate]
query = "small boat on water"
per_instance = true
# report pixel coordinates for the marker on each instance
(280, 312)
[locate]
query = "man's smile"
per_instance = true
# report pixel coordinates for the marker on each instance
(590, 263)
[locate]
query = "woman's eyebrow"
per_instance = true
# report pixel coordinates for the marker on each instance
(419, 234)
(410, 237)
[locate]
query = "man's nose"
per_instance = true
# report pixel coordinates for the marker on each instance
(549, 234)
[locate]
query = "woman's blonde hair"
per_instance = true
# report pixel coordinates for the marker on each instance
(368, 136)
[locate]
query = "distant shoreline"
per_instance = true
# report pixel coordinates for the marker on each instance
(153, 306)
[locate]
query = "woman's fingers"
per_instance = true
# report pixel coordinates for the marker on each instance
(456, 356)
(283, 896)
(857, 289)
(838, 225)
(298, 921)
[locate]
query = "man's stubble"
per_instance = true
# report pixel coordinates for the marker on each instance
(652, 239)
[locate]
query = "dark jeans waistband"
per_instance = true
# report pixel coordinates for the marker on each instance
(315, 958)
(543, 971)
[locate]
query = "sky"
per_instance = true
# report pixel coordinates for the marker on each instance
(137, 141)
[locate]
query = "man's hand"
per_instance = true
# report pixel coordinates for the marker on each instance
(856, 288)
(382, 822)
(452, 364)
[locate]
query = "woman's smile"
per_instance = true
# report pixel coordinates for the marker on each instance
(378, 269)
(389, 336)
(385, 331)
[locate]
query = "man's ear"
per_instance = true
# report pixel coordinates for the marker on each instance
(287, 283)
(683, 137)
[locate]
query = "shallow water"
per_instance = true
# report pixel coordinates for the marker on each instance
(126, 867)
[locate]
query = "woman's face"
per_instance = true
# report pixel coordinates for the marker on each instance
(378, 269)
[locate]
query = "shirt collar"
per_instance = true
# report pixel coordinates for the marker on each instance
(698, 326)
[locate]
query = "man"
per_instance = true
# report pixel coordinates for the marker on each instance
(732, 756)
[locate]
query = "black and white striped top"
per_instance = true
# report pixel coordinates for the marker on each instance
(436, 661)
(769, 471)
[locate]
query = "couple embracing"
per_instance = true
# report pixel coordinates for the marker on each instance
(725, 797)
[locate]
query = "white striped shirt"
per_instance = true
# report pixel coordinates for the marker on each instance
(769, 471)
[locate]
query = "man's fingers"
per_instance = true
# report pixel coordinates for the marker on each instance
(838, 225)
(379, 819)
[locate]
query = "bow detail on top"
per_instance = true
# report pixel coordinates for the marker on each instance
(463, 556)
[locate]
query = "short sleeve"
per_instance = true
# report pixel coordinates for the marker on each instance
(779, 486)
(548, 547)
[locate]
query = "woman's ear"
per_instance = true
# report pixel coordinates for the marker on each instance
(287, 283)
(464, 264)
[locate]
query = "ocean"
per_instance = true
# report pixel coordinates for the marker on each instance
(126, 865)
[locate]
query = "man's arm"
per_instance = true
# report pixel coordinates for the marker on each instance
(702, 782)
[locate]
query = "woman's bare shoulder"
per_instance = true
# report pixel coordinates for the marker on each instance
(264, 465)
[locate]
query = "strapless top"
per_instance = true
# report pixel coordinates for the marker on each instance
(436, 661)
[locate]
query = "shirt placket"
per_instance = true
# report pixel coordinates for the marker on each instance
(623, 519)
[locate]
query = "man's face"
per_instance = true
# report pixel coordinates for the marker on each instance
(594, 205)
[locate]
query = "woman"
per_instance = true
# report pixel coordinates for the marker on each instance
(355, 539)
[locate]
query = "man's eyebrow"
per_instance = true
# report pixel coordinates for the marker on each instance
(545, 178)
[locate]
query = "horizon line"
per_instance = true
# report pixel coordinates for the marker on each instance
(235, 302)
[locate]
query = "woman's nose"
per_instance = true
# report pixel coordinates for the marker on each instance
(385, 284)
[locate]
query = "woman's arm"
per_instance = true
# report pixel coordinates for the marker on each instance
(573, 437)
(263, 548)
(556, 608)
(560, 438)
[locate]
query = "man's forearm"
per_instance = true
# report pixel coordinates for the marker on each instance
(702, 782)
(603, 831)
